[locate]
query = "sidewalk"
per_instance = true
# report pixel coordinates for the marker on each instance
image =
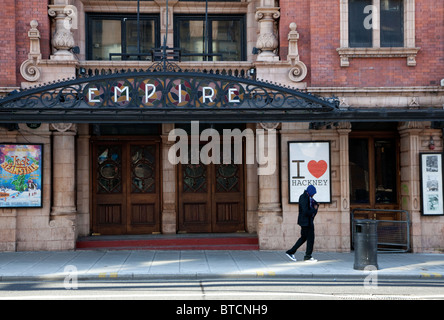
(145, 265)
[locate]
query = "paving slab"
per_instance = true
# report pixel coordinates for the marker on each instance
(195, 264)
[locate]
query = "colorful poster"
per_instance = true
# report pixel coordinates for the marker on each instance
(309, 164)
(21, 175)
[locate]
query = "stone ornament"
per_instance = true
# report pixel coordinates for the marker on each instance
(267, 40)
(299, 70)
(29, 68)
(63, 127)
(63, 39)
(270, 125)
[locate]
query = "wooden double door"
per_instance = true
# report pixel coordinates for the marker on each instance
(374, 174)
(211, 198)
(126, 186)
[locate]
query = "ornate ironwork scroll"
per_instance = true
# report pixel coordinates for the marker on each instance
(144, 93)
(186, 90)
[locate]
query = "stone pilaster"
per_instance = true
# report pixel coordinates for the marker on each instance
(269, 208)
(410, 133)
(8, 217)
(344, 172)
(64, 164)
(168, 184)
(83, 159)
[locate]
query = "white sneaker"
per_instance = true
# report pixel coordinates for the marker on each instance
(311, 260)
(291, 256)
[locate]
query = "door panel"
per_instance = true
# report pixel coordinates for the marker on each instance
(195, 217)
(228, 199)
(143, 199)
(211, 198)
(194, 198)
(109, 214)
(109, 209)
(126, 187)
(374, 174)
(143, 214)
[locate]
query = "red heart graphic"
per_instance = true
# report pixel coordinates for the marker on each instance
(317, 168)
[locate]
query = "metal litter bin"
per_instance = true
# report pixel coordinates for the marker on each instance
(365, 243)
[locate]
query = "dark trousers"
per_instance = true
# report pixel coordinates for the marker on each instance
(307, 234)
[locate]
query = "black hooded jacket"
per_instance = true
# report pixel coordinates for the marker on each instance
(306, 213)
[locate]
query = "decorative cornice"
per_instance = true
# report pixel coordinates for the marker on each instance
(409, 53)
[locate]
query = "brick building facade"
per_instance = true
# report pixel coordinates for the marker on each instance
(299, 44)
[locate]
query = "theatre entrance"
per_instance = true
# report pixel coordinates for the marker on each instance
(375, 170)
(126, 185)
(211, 197)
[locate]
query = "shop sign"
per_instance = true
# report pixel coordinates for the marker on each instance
(163, 96)
(309, 164)
(164, 92)
(21, 175)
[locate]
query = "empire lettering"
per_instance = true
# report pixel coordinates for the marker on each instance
(122, 94)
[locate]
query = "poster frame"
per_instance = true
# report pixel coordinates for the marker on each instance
(425, 174)
(323, 144)
(40, 179)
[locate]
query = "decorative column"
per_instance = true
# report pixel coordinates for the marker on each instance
(83, 180)
(267, 40)
(64, 182)
(62, 39)
(269, 208)
(168, 184)
(8, 216)
(344, 172)
(410, 133)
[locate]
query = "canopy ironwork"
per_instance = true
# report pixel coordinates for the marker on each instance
(163, 93)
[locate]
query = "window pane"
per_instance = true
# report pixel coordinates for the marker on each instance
(359, 24)
(385, 171)
(147, 37)
(359, 171)
(191, 38)
(392, 23)
(224, 38)
(227, 40)
(106, 38)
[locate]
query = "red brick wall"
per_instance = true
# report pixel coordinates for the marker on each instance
(319, 29)
(15, 17)
(7, 44)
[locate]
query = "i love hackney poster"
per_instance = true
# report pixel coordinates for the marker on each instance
(309, 164)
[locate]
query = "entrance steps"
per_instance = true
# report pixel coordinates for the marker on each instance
(229, 241)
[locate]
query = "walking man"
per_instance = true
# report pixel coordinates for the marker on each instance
(308, 208)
